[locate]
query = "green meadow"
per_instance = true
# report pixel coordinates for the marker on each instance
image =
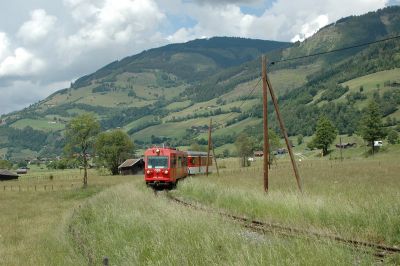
(53, 221)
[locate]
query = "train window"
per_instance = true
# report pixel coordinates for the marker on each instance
(185, 161)
(191, 160)
(173, 161)
(203, 160)
(157, 162)
(179, 161)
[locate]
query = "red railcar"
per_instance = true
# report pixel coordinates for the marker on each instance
(197, 162)
(164, 166)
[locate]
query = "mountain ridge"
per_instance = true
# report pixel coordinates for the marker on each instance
(174, 90)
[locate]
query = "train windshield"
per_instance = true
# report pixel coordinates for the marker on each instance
(157, 162)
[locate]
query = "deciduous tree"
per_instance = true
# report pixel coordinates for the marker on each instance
(244, 146)
(113, 148)
(80, 133)
(371, 126)
(393, 137)
(325, 134)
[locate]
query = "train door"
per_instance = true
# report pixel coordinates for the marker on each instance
(172, 166)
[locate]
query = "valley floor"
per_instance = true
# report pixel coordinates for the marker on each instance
(121, 219)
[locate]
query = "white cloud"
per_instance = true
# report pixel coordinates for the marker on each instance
(4, 45)
(111, 23)
(283, 21)
(21, 63)
(304, 12)
(37, 27)
(223, 20)
(309, 28)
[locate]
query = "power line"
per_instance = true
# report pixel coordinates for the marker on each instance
(243, 101)
(335, 50)
(301, 57)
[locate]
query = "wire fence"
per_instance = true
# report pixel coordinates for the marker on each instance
(39, 187)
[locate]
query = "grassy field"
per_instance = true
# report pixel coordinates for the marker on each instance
(45, 125)
(119, 218)
(354, 198)
(34, 224)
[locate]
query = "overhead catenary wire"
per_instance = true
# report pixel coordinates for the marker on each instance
(311, 55)
(335, 50)
(241, 104)
(251, 92)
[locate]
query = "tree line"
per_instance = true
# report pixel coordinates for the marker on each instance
(83, 135)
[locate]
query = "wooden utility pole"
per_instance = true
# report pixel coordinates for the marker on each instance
(283, 129)
(265, 120)
(209, 146)
(215, 158)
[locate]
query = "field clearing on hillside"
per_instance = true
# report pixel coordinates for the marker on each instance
(71, 96)
(234, 128)
(285, 80)
(44, 125)
(370, 81)
(178, 105)
(173, 129)
(243, 89)
(138, 122)
(201, 107)
(243, 105)
(355, 199)
(113, 99)
(396, 115)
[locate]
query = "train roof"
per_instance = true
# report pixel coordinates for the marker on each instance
(197, 153)
(166, 151)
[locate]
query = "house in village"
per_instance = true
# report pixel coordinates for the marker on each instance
(7, 175)
(131, 167)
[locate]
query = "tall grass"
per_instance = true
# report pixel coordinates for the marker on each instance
(357, 198)
(34, 224)
(132, 226)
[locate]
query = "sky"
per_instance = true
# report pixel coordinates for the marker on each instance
(47, 44)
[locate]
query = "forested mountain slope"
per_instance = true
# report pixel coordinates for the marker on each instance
(168, 94)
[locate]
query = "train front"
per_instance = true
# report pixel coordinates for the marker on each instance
(157, 171)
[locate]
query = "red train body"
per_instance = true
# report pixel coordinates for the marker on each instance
(165, 166)
(197, 162)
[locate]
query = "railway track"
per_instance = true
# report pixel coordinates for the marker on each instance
(380, 251)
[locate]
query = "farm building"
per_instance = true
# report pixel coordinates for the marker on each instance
(345, 145)
(22, 171)
(7, 175)
(131, 167)
(258, 153)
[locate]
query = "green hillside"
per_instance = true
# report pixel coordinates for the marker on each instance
(168, 94)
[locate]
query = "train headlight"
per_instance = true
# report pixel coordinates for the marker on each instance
(166, 172)
(148, 172)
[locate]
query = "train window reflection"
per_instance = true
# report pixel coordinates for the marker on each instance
(157, 162)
